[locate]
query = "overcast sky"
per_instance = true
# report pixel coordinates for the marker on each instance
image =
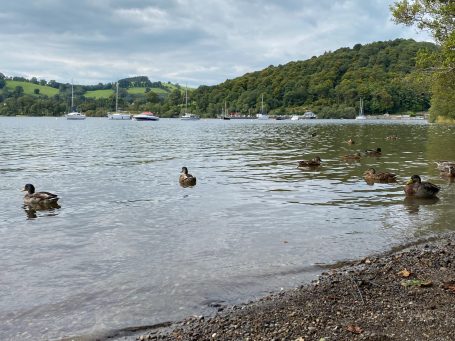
(183, 41)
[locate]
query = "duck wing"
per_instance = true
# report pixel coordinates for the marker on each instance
(45, 196)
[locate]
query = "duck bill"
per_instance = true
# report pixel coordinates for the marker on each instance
(409, 182)
(23, 190)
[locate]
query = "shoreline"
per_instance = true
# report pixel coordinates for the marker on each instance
(406, 293)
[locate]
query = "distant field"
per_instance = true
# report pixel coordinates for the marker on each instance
(29, 88)
(99, 93)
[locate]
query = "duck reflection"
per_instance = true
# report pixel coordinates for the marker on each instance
(413, 204)
(46, 210)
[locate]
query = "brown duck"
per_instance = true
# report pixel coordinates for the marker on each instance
(372, 176)
(38, 198)
(417, 188)
(355, 156)
(373, 152)
(315, 162)
(448, 171)
(186, 179)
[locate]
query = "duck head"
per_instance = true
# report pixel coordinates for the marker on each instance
(414, 179)
(184, 170)
(29, 188)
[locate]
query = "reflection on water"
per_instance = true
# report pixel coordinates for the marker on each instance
(413, 204)
(32, 211)
(130, 246)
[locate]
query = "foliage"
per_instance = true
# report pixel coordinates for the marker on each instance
(437, 16)
(383, 73)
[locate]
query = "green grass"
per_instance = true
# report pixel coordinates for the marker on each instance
(99, 93)
(29, 88)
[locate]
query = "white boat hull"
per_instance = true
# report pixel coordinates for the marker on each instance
(189, 117)
(145, 117)
(75, 116)
(119, 116)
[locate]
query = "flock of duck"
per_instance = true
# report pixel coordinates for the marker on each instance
(415, 187)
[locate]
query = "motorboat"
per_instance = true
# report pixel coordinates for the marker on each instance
(189, 117)
(146, 116)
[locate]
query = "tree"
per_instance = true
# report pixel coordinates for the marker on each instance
(36, 91)
(437, 16)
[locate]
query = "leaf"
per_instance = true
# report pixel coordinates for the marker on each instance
(405, 273)
(449, 286)
(354, 329)
(416, 283)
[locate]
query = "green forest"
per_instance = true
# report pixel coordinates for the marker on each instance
(384, 74)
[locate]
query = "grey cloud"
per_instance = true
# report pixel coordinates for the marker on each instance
(199, 42)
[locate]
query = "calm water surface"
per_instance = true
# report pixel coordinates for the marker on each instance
(130, 247)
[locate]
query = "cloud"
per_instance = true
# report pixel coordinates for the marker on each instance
(184, 41)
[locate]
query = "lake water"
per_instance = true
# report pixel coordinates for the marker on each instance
(130, 247)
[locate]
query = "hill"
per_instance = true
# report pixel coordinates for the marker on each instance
(30, 88)
(382, 73)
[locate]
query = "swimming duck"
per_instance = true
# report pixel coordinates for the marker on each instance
(355, 156)
(371, 176)
(186, 179)
(310, 163)
(417, 188)
(392, 137)
(38, 198)
(350, 141)
(448, 171)
(443, 165)
(372, 152)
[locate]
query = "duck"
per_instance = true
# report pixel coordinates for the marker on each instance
(372, 152)
(315, 162)
(350, 141)
(355, 156)
(443, 165)
(371, 175)
(448, 171)
(392, 137)
(417, 188)
(38, 198)
(186, 179)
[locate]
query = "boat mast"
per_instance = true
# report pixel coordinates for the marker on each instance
(72, 96)
(186, 99)
(262, 104)
(116, 99)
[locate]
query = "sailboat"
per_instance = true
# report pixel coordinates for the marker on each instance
(118, 115)
(361, 115)
(262, 115)
(74, 115)
(225, 115)
(188, 116)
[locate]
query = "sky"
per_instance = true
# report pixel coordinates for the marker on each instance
(193, 42)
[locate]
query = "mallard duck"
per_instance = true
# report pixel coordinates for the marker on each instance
(392, 137)
(443, 165)
(350, 141)
(310, 163)
(186, 179)
(355, 156)
(372, 152)
(371, 176)
(415, 187)
(38, 198)
(448, 171)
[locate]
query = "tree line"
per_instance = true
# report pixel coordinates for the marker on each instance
(384, 74)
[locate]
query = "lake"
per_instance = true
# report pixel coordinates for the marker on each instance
(130, 247)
